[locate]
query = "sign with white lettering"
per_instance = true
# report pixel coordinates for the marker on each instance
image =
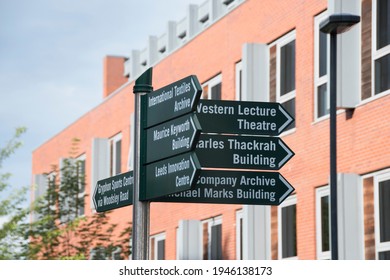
(171, 138)
(172, 101)
(235, 187)
(242, 117)
(171, 175)
(114, 192)
(242, 152)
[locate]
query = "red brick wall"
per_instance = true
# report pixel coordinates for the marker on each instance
(363, 135)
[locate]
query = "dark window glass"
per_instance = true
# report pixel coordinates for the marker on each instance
(323, 54)
(384, 210)
(322, 100)
(382, 74)
(384, 255)
(287, 68)
(289, 231)
(118, 146)
(216, 242)
(383, 23)
(325, 223)
(161, 250)
(216, 92)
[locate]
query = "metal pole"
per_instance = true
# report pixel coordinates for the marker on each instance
(141, 209)
(333, 145)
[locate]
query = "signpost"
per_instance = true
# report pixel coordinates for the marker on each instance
(171, 138)
(172, 101)
(171, 175)
(169, 130)
(242, 117)
(114, 192)
(247, 152)
(172, 145)
(235, 187)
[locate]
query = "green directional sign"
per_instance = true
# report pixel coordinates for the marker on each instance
(242, 152)
(172, 101)
(171, 175)
(235, 187)
(242, 117)
(114, 192)
(174, 137)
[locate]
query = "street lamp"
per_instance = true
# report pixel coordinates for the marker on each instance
(335, 24)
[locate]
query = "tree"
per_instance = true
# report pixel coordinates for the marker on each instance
(62, 231)
(13, 230)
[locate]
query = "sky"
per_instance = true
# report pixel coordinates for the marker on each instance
(51, 61)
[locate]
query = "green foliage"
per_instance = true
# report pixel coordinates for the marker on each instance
(12, 231)
(62, 231)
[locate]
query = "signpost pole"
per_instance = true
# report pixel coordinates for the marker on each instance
(141, 209)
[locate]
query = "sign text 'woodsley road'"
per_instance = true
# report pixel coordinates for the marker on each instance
(114, 192)
(242, 117)
(172, 101)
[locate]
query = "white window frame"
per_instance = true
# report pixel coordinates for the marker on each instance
(376, 54)
(320, 193)
(291, 200)
(239, 228)
(155, 239)
(238, 72)
(210, 223)
(113, 156)
(379, 246)
(212, 83)
(280, 43)
(320, 81)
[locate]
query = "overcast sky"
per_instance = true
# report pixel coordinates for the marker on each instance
(51, 58)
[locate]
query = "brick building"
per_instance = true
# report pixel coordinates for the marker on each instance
(268, 51)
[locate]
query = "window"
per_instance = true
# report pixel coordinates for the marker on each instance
(115, 154)
(81, 170)
(157, 247)
(212, 239)
(72, 188)
(381, 46)
(239, 227)
(239, 81)
(288, 229)
(322, 223)
(321, 90)
(212, 89)
(382, 216)
(285, 73)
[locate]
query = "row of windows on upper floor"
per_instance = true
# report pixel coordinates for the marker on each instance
(364, 69)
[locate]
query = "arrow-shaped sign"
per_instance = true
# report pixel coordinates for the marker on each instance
(242, 152)
(242, 117)
(171, 175)
(172, 101)
(171, 138)
(235, 187)
(114, 192)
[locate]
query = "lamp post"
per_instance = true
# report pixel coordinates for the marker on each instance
(335, 24)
